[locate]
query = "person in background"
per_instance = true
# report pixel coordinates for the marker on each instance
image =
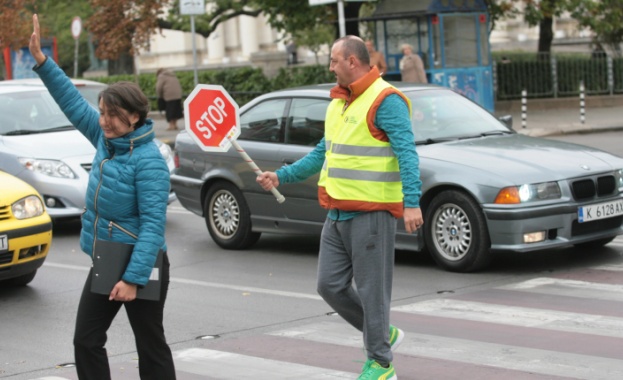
(126, 202)
(291, 49)
(369, 178)
(376, 58)
(169, 89)
(411, 66)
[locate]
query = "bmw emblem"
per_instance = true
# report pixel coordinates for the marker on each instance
(585, 167)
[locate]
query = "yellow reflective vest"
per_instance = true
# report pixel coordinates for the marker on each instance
(360, 172)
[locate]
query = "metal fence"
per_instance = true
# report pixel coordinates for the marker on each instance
(551, 75)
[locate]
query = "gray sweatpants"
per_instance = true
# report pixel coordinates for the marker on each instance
(360, 249)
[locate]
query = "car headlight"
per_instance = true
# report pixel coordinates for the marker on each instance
(28, 207)
(52, 168)
(165, 150)
(620, 173)
(528, 193)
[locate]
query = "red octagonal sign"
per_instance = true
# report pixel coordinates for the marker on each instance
(211, 118)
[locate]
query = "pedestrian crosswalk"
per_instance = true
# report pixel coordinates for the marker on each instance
(559, 326)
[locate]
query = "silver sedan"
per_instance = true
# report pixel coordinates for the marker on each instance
(485, 187)
(40, 146)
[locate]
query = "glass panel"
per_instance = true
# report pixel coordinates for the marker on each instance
(437, 58)
(306, 121)
(264, 121)
(484, 40)
(441, 114)
(400, 32)
(31, 111)
(460, 41)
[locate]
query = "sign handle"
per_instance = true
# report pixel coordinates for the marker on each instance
(280, 198)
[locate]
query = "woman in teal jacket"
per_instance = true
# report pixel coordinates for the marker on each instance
(126, 202)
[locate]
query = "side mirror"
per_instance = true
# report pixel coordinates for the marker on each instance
(507, 120)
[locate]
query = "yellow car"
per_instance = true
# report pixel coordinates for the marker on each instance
(25, 231)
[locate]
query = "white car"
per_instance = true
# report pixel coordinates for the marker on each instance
(39, 145)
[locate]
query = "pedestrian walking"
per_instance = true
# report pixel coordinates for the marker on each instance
(126, 203)
(369, 178)
(376, 58)
(169, 89)
(411, 66)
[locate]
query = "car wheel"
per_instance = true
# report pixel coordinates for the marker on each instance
(228, 218)
(456, 233)
(23, 280)
(595, 243)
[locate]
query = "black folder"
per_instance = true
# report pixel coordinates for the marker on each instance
(110, 260)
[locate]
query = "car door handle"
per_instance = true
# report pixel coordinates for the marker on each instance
(287, 161)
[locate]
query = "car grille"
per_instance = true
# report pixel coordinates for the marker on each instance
(589, 188)
(6, 257)
(87, 167)
(5, 212)
(595, 226)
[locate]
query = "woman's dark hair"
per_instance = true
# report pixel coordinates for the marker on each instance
(127, 96)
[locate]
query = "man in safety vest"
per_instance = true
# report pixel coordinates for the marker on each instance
(369, 178)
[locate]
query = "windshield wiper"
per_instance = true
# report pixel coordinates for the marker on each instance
(21, 132)
(61, 128)
(435, 141)
(495, 133)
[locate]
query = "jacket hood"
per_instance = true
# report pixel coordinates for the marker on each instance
(140, 136)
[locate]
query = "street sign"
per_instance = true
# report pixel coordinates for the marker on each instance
(192, 7)
(211, 118)
(76, 27)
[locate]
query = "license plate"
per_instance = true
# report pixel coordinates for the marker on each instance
(4, 243)
(600, 211)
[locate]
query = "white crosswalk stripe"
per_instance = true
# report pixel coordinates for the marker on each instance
(225, 365)
(542, 328)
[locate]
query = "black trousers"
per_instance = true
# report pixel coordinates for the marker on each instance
(95, 315)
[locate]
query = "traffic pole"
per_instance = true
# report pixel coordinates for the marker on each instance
(582, 115)
(280, 198)
(524, 108)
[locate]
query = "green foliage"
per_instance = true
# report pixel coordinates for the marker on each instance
(284, 16)
(603, 17)
(243, 84)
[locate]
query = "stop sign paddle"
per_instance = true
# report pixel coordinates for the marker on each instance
(211, 119)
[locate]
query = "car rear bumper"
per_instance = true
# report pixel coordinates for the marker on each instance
(507, 227)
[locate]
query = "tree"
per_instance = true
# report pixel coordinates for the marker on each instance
(314, 39)
(121, 28)
(57, 16)
(499, 10)
(15, 25)
(604, 18)
(542, 13)
(286, 16)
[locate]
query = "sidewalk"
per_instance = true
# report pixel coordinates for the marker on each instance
(545, 117)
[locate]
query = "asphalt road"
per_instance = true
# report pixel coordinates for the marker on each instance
(242, 297)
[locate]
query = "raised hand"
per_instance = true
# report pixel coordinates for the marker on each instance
(35, 42)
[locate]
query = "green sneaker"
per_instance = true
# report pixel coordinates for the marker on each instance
(373, 371)
(396, 336)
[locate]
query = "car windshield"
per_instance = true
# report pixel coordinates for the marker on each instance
(29, 112)
(442, 115)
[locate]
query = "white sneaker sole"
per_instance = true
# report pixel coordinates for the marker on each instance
(401, 336)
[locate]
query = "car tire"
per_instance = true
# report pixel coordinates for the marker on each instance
(228, 218)
(23, 280)
(455, 232)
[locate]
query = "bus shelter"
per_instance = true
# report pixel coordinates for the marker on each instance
(451, 37)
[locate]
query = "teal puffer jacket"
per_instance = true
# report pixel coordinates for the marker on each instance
(128, 188)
